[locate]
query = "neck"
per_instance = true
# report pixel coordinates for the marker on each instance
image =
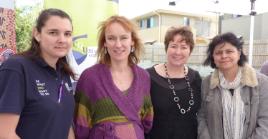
(119, 67)
(230, 75)
(51, 61)
(175, 71)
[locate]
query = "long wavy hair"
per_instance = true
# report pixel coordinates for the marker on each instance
(104, 57)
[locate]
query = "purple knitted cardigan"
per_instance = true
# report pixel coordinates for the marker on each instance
(96, 83)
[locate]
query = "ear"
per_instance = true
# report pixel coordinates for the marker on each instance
(36, 34)
(104, 44)
(240, 52)
(132, 43)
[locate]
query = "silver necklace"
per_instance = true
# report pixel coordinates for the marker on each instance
(175, 97)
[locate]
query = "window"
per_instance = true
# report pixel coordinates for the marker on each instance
(186, 21)
(142, 23)
(202, 27)
(150, 22)
(147, 23)
(236, 16)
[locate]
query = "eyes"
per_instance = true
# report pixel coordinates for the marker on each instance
(114, 38)
(57, 33)
(182, 46)
(220, 52)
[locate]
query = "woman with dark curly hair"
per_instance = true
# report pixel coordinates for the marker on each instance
(234, 97)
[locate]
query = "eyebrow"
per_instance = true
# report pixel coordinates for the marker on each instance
(175, 42)
(58, 30)
(123, 35)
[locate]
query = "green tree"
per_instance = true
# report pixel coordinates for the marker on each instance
(25, 19)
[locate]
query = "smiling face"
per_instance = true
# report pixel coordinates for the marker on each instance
(226, 57)
(55, 38)
(118, 42)
(178, 51)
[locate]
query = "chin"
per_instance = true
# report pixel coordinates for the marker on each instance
(178, 65)
(61, 55)
(226, 68)
(119, 58)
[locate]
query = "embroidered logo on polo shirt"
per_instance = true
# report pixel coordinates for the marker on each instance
(41, 88)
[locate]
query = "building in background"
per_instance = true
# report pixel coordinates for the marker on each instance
(240, 25)
(204, 27)
(153, 25)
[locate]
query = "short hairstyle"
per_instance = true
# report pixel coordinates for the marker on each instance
(134, 57)
(34, 51)
(184, 31)
(222, 39)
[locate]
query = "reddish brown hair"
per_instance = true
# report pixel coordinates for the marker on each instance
(134, 57)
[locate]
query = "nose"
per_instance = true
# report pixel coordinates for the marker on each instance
(178, 51)
(223, 55)
(62, 38)
(118, 43)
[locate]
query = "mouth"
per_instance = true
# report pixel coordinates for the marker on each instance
(178, 58)
(60, 48)
(224, 62)
(118, 51)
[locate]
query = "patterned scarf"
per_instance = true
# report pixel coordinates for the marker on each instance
(233, 107)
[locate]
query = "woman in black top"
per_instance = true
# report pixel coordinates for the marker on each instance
(175, 89)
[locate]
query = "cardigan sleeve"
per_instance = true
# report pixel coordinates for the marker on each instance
(83, 109)
(147, 114)
(147, 107)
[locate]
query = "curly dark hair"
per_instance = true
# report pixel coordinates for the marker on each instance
(228, 37)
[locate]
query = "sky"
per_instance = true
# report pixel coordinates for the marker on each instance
(20, 3)
(132, 8)
(7, 4)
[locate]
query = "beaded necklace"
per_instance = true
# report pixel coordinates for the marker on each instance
(176, 98)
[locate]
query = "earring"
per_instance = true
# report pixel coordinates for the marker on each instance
(132, 49)
(105, 50)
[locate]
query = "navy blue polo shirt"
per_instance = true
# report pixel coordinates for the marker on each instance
(30, 88)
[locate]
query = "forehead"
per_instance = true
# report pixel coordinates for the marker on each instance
(116, 27)
(225, 46)
(56, 22)
(178, 39)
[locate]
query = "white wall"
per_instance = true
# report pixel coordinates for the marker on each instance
(241, 26)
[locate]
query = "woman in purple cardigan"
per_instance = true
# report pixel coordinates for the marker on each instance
(113, 96)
